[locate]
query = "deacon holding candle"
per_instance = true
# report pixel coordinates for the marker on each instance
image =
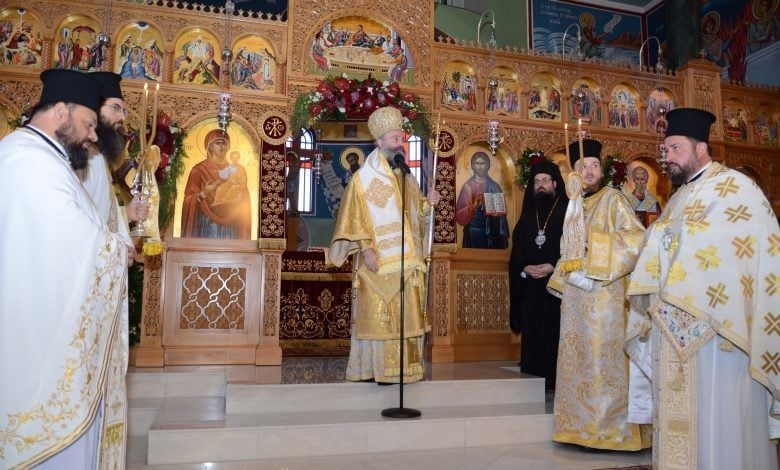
(591, 279)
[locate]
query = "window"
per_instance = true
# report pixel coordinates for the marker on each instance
(303, 147)
(414, 151)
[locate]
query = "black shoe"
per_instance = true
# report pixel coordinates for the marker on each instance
(594, 450)
(385, 383)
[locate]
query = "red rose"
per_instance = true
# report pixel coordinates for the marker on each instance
(341, 83)
(323, 87)
(536, 159)
(413, 115)
(315, 109)
(394, 89)
(409, 97)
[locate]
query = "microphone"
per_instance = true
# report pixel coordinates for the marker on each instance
(400, 163)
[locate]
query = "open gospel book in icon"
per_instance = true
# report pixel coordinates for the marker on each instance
(495, 204)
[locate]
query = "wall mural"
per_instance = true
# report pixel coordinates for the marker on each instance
(743, 38)
(217, 192)
(359, 47)
(139, 55)
(735, 119)
(767, 122)
(624, 108)
(459, 87)
(77, 45)
(506, 98)
(484, 189)
(585, 102)
(254, 64)
(605, 34)
(658, 97)
(544, 98)
(197, 58)
(20, 38)
(641, 190)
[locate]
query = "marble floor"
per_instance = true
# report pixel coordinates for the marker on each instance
(297, 370)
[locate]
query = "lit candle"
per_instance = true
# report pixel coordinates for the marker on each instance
(144, 102)
(566, 141)
(154, 115)
(579, 133)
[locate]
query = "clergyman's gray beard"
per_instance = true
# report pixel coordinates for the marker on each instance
(111, 142)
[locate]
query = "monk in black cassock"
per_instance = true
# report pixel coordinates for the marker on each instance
(535, 249)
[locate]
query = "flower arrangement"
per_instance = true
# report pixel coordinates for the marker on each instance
(170, 139)
(524, 162)
(614, 171)
(341, 98)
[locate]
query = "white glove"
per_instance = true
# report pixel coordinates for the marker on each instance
(578, 279)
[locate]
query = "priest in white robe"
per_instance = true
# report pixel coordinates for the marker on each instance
(62, 285)
(704, 323)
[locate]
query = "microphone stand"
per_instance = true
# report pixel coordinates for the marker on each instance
(402, 412)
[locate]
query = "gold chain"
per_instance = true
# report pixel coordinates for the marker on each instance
(542, 229)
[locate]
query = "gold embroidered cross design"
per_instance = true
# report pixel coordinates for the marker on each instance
(695, 226)
(379, 193)
(772, 324)
(771, 363)
(773, 284)
(707, 258)
(774, 244)
(738, 213)
(677, 273)
(747, 285)
(727, 187)
(743, 246)
(694, 210)
(652, 267)
(717, 294)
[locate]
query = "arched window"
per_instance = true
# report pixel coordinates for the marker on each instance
(303, 147)
(414, 151)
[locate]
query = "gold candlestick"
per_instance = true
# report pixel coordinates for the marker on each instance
(144, 103)
(579, 134)
(154, 115)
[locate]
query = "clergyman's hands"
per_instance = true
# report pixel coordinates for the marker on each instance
(370, 260)
(433, 197)
(137, 210)
(538, 271)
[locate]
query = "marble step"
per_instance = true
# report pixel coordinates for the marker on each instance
(252, 436)
(179, 384)
(243, 399)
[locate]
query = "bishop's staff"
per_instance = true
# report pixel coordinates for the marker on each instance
(431, 216)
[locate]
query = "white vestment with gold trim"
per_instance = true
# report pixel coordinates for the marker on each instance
(370, 217)
(707, 284)
(62, 286)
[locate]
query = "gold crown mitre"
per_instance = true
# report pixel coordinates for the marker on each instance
(384, 120)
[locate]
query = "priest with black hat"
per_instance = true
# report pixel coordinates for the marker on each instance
(63, 278)
(600, 243)
(108, 152)
(704, 322)
(534, 312)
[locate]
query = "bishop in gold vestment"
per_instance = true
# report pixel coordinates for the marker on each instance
(591, 394)
(369, 227)
(707, 287)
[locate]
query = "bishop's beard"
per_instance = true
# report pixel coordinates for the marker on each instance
(111, 142)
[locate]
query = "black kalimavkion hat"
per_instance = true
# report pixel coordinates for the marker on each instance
(590, 148)
(69, 86)
(110, 83)
(690, 122)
